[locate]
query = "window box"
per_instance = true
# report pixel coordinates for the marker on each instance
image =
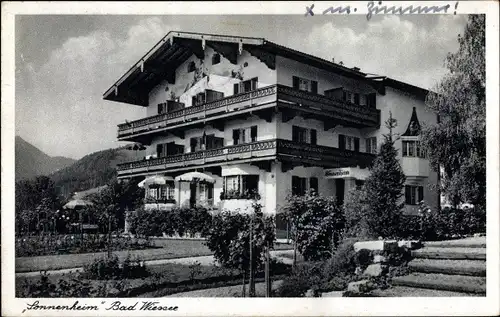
(235, 194)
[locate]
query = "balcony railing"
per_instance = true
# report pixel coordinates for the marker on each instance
(342, 110)
(205, 109)
(268, 148)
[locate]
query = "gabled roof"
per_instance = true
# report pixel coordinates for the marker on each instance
(161, 61)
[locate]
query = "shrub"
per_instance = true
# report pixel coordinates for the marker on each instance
(179, 221)
(445, 224)
(106, 268)
(292, 286)
(229, 237)
(316, 224)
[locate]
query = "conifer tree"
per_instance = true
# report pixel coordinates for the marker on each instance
(384, 188)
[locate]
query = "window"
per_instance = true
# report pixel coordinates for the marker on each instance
(245, 135)
(356, 98)
(304, 135)
(371, 100)
(162, 108)
(371, 145)
(305, 84)
(240, 186)
(165, 192)
(348, 143)
(313, 184)
(299, 185)
(413, 194)
(207, 193)
(191, 67)
(413, 148)
(196, 144)
(245, 86)
(215, 59)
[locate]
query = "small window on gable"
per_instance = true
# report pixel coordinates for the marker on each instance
(215, 59)
(191, 67)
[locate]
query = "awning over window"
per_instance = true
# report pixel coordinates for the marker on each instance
(195, 177)
(156, 180)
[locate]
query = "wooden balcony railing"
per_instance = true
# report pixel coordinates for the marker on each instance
(170, 117)
(268, 148)
(342, 110)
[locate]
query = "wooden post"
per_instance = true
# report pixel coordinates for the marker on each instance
(251, 278)
(267, 273)
(109, 235)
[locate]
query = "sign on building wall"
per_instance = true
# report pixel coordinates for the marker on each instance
(348, 172)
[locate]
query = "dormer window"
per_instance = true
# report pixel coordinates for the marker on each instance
(191, 67)
(215, 59)
(305, 84)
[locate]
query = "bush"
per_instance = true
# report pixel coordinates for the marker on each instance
(355, 211)
(229, 238)
(179, 221)
(106, 268)
(292, 286)
(448, 223)
(316, 224)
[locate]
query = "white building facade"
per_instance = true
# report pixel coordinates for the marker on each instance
(259, 120)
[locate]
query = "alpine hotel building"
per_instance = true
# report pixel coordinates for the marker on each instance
(229, 119)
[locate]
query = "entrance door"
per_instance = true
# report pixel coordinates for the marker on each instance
(340, 190)
(192, 196)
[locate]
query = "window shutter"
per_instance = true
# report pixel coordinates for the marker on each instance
(372, 98)
(295, 133)
(368, 146)
(236, 88)
(356, 144)
(158, 150)
(236, 136)
(420, 193)
(407, 195)
(356, 98)
(313, 184)
(314, 87)
(295, 185)
(341, 141)
(160, 108)
(344, 95)
(253, 133)
(254, 83)
(313, 137)
(295, 82)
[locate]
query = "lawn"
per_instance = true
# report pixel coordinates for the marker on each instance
(168, 249)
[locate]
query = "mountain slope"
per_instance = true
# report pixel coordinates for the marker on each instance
(31, 162)
(91, 171)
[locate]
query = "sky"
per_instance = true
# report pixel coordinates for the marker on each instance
(65, 63)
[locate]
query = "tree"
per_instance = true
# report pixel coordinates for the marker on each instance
(384, 188)
(457, 143)
(36, 201)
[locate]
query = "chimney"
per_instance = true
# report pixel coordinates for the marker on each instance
(356, 69)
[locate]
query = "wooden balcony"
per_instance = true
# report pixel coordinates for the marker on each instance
(275, 96)
(293, 153)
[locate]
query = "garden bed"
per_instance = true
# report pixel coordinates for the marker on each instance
(165, 279)
(42, 245)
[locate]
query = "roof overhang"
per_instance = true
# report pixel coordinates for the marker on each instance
(161, 62)
(165, 57)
